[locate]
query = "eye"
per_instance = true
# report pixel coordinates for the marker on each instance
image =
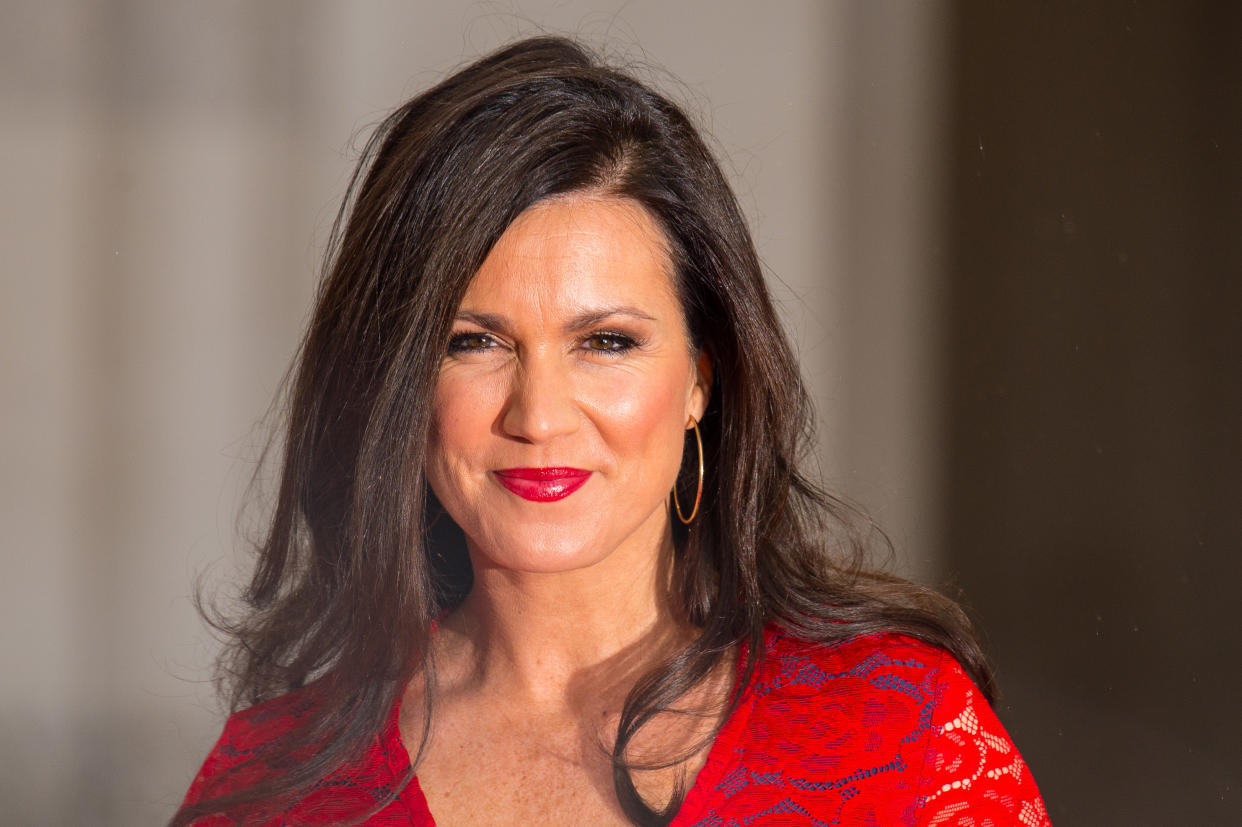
(610, 343)
(470, 342)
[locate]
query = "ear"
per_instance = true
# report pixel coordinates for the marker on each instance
(701, 392)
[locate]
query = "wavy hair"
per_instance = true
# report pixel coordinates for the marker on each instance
(348, 580)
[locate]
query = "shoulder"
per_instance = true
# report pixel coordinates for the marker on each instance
(879, 729)
(866, 701)
(250, 737)
(264, 741)
(866, 663)
(258, 728)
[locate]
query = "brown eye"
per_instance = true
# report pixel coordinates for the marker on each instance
(467, 342)
(612, 343)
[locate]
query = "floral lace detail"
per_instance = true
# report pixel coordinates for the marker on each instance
(974, 773)
(879, 730)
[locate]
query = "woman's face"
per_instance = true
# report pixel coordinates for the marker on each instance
(561, 407)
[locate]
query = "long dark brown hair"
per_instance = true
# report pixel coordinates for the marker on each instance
(348, 581)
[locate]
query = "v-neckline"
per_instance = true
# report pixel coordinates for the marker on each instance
(720, 757)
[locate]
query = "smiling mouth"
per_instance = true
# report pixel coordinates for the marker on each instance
(542, 485)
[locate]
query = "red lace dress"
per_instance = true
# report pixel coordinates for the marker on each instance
(877, 730)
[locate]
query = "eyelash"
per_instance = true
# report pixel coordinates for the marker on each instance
(621, 343)
(457, 342)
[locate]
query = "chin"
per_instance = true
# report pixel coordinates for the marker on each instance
(543, 558)
(539, 552)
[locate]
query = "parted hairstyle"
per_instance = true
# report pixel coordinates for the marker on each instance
(349, 581)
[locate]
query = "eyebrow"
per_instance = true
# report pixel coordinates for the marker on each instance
(588, 318)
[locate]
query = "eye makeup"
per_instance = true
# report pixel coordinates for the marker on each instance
(603, 342)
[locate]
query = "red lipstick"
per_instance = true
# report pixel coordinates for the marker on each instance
(542, 485)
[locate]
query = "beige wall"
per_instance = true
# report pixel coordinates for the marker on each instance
(169, 170)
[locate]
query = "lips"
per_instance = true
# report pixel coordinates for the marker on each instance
(542, 485)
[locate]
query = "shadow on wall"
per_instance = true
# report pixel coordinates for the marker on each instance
(1095, 420)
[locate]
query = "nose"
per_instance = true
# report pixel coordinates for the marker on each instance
(541, 403)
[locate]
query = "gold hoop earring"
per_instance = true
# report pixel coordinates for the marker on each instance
(698, 497)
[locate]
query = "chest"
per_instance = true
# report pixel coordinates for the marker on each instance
(496, 790)
(484, 768)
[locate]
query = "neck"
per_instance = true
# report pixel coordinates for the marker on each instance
(567, 639)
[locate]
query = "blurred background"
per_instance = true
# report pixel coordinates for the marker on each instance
(1005, 238)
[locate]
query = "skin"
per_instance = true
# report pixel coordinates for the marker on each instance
(570, 350)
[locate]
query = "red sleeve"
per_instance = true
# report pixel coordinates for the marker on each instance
(972, 773)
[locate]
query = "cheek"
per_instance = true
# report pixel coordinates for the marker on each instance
(462, 416)
(643, 418)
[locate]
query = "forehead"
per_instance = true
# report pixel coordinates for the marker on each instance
(577, 252)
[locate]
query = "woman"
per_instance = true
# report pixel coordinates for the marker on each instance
(541, 551)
